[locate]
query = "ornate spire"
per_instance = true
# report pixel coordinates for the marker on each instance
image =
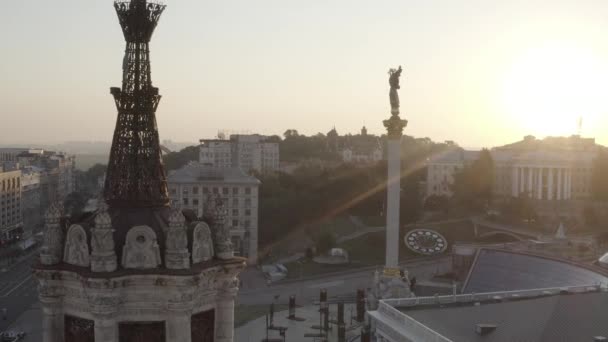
(51, 252)
(216, 212)
(103, 255)
(135, 176)
(176, 252)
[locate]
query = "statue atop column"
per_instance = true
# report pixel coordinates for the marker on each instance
(393, 80)
(394, 125)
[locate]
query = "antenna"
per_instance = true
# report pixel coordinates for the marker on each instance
(579, 125)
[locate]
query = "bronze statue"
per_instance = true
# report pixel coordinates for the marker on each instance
(394, 83)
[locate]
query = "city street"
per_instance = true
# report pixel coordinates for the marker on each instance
(343, 284)
(18, 290)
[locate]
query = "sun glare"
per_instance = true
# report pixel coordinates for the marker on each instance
(549, 88)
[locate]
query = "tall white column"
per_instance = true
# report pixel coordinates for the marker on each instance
(514, 185)
(529, 181)
(550, 187)
(392, 206)
(559, 184)
(568, 183)
(539, 181)
(522, 180)
(224, 319)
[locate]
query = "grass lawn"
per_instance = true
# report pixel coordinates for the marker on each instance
(246, 313)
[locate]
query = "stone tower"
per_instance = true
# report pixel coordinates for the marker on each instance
(136, 269)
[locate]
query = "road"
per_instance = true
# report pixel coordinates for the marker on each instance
(343, 284)
(18, 290)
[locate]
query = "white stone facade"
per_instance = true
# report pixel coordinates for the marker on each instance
(168, 288)
(533, 168)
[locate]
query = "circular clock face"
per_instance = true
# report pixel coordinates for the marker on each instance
(425, 241)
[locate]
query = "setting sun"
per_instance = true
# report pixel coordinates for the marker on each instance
(548, 88)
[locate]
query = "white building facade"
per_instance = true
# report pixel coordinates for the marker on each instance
(548, 169)
(10, 204)
(190, 186)
(249, 152)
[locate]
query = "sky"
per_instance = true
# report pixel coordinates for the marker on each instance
(479, 72)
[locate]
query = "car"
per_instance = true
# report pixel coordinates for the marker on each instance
(12, 336)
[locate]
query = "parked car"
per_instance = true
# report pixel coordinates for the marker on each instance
(12, 336)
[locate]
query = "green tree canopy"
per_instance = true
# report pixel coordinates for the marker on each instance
(473, 184)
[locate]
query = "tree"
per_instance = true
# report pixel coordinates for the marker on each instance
(176, 160)
(599, 177)
(290, 133)
(473, 185)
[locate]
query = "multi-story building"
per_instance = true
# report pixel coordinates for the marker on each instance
(31, 198)
(248, 152)
(190, 186)
(358, 149)
(11, 225)
(554, 168)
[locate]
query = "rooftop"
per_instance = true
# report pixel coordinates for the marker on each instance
(556, 314)
(200, 173)
(500, 270)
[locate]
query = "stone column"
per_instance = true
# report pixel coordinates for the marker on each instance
(178, 324)
(52, 319)
(559, 184)
(393, 203)
(529, 181)
(568, 184)
(514, 185)
(106, 328)
(224, 319)
(522, 180)
(550, 188)
(539, 180)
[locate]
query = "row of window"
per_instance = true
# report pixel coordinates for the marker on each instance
(10, 184)
(215, 190)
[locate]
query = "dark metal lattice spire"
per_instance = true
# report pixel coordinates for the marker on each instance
(135, 177)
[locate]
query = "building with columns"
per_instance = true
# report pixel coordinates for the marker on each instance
(551, 169)
(137, 270)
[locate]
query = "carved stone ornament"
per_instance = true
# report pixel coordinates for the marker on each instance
(103, 255)
(52, 246)
(219, 230)
(176, 252)
(76, 247)
(395, 126)
(202, 243)
(141, 249)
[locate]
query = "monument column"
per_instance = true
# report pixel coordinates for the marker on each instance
(394, 126)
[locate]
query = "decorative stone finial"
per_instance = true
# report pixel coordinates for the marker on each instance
(141, 249)
(217, 212)
(52, 247)
(76, 250)
(176, 251)
(103, 255)
(202, 243)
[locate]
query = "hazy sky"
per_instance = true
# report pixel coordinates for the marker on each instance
(480, 72)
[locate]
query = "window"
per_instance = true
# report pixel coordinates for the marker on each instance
(205, 190)
(185, 201)
(235, 212)
(195, 190)
(173, 191)
(235, 191)
(247, 202)
(235, 202)
(195, 202)
(185, 190)
(247, 191)
(235, 223)
(247, 223)
(216, 190)
(225, 191)
(247, 212)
